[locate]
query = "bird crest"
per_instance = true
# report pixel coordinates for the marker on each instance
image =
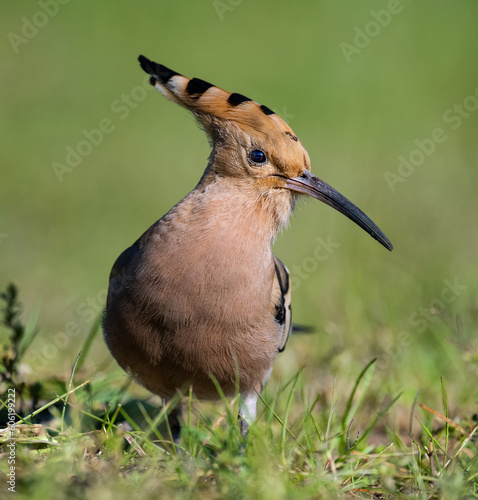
(219, 111)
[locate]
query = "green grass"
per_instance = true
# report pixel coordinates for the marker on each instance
(97, 440)
(414, 311)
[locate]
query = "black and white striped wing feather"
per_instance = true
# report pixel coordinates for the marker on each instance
(280, 304)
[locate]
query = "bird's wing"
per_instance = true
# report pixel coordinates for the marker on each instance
(280, 301)
(123, 262)
(122, 266)
(121, 271)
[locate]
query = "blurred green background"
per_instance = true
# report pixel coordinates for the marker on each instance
(361, 83)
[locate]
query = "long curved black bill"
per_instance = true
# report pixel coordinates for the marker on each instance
(311, 185)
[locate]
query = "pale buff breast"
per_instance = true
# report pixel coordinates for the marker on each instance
(185, 316)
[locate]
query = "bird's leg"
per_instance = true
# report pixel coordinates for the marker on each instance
(247, 412)
(248, 406)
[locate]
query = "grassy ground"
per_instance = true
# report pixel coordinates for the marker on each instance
(97, 440)
(359, 407)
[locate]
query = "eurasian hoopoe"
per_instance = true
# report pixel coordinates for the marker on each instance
(200, 295)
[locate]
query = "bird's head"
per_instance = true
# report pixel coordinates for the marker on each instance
(252, 143)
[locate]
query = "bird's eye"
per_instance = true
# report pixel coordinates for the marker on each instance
(257, 156)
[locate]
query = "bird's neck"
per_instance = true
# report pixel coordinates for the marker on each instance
(226, 205)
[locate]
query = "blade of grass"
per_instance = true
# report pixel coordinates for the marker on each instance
(152, 427)
(412, 411)
(309, 415)
(128, 434)
(351, 407)
(89, 340)
(130, 420)
(218, 421)
(330, 459)
(379, 415)
(129, 438)
(286, 417)
(101, 420)
(113, 418)
(163, 415)
(434, 441)
(190, 400)
(52, 402)
(276, 416)
(30, 329)
(442, 417)
(445, 405)
(463, 444)
(70, 383)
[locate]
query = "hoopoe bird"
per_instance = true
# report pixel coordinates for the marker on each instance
(200, 297)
